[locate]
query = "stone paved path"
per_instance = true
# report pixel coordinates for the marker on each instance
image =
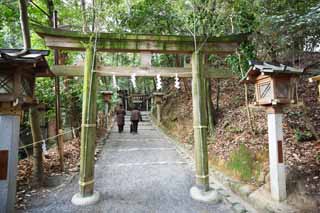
(136, 174)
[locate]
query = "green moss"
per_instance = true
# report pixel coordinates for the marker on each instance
(242, 163)
(42, 30)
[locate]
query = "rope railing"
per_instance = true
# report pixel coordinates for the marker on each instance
(49, 138)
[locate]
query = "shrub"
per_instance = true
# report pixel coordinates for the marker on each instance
(302, 136)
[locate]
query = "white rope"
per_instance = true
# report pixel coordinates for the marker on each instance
(49, 138)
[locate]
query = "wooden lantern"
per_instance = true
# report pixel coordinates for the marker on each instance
(18, 70)
(107, 95)
(274, 88)
(158, 97)
(274, 84)
(17, 87)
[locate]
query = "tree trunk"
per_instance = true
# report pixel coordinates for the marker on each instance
(93, 16)
(211, 124)
(37, 169)
(34, 116)
(248, 109)
(24, 24)
(218, 98)
(246, 99)
(58, 102)
(50, 7)
(84, 16)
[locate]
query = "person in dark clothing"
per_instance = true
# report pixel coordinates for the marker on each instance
(120, 113)
(135, 118)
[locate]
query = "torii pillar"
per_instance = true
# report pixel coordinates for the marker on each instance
(87, 195)
(201, 191)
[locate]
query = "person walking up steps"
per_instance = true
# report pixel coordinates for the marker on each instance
(120, 117)
(135, 118)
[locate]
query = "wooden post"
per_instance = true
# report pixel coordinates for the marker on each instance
(147, 105)
(9, 134)
(61, 149)
(276, 157)
(106, 109)
(158, 113)
(126, 103)
(201, 191)
(37, 168)
(57, 94)
(87, 196)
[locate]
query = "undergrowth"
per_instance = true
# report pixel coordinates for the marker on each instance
(241, 162)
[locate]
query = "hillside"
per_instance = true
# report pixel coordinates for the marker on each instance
(234, 143)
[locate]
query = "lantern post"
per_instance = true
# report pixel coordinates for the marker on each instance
(274, 86)
(18, 70)
(107, 95)
(158, 96)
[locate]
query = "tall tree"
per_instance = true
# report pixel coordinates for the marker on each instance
(24, 24)
(34, 114)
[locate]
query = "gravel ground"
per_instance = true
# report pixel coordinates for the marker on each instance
(135, 174)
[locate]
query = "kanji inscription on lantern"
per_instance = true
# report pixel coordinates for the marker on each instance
(3, 164)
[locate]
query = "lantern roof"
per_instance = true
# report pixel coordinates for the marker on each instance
(28, 60)
(267, 68)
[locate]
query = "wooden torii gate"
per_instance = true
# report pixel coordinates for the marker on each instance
(116, 42)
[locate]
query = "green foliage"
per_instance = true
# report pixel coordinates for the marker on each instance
(239, 63)
(235, 129)
(241, 162)
(9, 25)
(45, 94)
(302, 136)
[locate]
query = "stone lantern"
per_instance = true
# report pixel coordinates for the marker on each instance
(158, 97)
(274, 88)
(107, 95)
(18, 70)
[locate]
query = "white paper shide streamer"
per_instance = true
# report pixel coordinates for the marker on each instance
(159, 83)
(114, 82)
(133, 80)
(44, 147)
(177, 82)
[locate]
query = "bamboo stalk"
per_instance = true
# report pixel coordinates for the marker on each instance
(88, 133)
(200, 121)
